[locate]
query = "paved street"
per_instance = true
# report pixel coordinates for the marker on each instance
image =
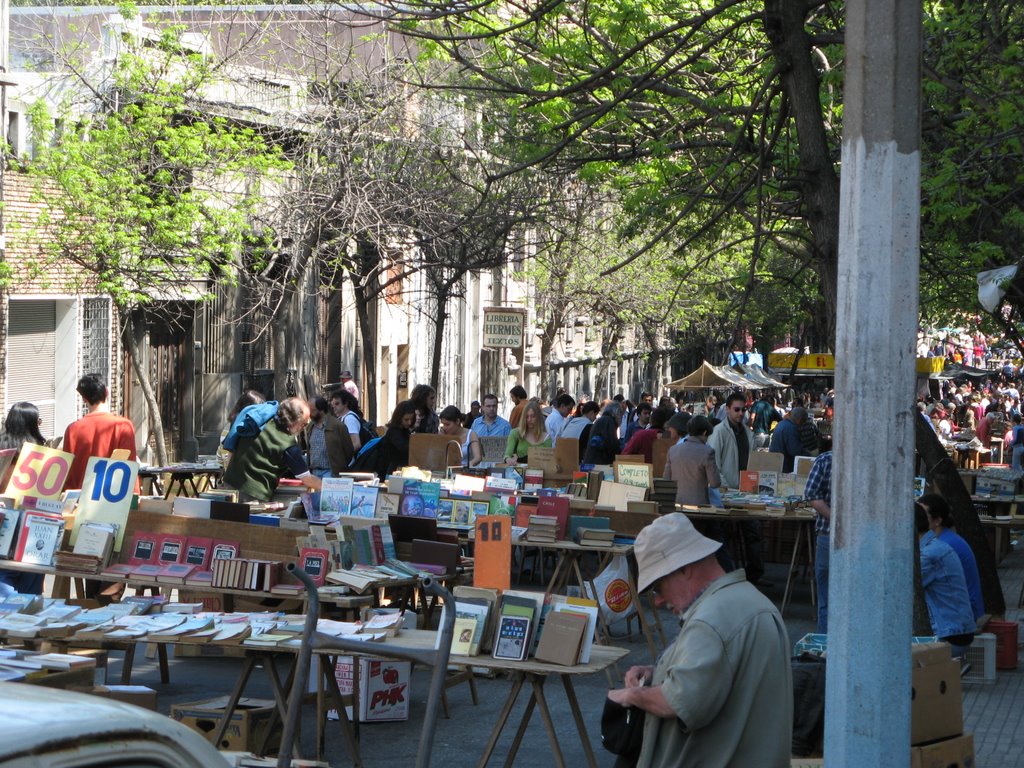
(991, 711)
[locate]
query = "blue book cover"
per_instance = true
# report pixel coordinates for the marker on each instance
(420, 499)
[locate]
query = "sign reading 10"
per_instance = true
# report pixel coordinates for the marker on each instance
(113, 481)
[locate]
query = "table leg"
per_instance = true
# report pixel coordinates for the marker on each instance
(792, 568)
(127, 663)
(549, 724)
(557, 574)
(811, 554)
(347, 732)
(510, 701)
(581, 728)
(236, 694)
(165, 671)
(524, 721)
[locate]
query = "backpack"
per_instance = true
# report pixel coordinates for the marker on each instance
(249, 422)
(367, 434)
(366, 457)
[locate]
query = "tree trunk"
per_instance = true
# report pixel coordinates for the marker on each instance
(819, 184)
(941, 473)
(440, 319)
(652, 382)
(280, 343)
(131, 332)
(368, 335)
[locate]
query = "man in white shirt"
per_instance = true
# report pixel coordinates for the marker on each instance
(559, 413)
(343, 406)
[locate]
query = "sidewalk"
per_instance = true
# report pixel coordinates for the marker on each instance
(991, 710)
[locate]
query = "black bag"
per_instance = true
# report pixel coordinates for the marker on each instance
(622, 732)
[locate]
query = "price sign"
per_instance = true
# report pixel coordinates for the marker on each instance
(39, 474)
(492, 552)
(107, 492)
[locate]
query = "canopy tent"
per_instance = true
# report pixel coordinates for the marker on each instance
(712, 377)
(761, 380)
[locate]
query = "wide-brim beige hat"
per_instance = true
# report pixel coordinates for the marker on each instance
(668, 544)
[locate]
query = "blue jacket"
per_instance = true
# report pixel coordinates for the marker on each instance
(945, 590)
(970, 566)
(786, 440)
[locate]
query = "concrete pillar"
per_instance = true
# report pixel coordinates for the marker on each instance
(870, 594)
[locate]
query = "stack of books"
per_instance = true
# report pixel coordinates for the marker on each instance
(542, 528)
(595, 537)
(245, 573)
(89, 565)
(664, 493)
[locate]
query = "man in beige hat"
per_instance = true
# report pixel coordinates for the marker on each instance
(722, 693)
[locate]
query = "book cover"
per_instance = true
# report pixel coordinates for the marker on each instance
(502, 505)
(512, 639)
(388, 504)
(556, 507)
(463, 512)
(96, 539)
(40, 537)
(8, 531)
(143, 548)
(562, 638)
(420, 498)
(175, 573)
(364, 500)
(198, 552)
(767, 483)
(584, 607)
(119, 570)
(171, 548)
(749, 480)
(315, 562)
(335, 497)
(462, 638)
(445, 511)
(224, 549)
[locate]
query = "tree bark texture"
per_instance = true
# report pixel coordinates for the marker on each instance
(134, 329)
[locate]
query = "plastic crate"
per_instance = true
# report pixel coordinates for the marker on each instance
(981, 655)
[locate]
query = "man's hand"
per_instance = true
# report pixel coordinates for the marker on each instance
(638, 676)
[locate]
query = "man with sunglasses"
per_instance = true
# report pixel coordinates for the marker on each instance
(722, 693)
(733, 441)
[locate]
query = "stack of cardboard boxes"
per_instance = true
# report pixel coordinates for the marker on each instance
(936, 711)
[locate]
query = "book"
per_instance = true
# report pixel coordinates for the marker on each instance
(558, 508)
(364, 500)
(96, 539)
(8, 531)
(198, 552)
(316, 563)
(445, 509)
(584, 607)
(463, 513)
(420, 499)
(561, 639)
(40, 537)
(200, 579)
(462, 637)
(335, 498)
(175, 573)
(513, 638)
(224, 549)
(171, 548)
(144, 548)
(119, 570)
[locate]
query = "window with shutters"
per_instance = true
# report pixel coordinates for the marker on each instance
(31, 357)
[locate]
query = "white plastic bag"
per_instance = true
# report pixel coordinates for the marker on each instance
(614, 600)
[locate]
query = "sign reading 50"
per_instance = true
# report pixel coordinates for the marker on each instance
(40, 473)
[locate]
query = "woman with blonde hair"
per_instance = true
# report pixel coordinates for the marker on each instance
(531, 433)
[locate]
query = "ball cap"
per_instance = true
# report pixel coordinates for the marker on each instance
(668, 544)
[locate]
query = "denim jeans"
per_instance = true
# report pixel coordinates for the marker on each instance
(821, 581)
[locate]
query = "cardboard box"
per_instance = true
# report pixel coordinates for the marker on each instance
(936, 705)
(951, 753)
(246, 728)
(383, 692)
(139, 695)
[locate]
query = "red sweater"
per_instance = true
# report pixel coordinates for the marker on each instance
(96, 434)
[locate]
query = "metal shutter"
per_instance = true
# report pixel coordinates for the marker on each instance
(31, 357)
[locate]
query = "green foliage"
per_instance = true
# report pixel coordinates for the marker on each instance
(148, 192)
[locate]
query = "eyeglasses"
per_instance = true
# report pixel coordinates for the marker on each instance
(738, 410)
